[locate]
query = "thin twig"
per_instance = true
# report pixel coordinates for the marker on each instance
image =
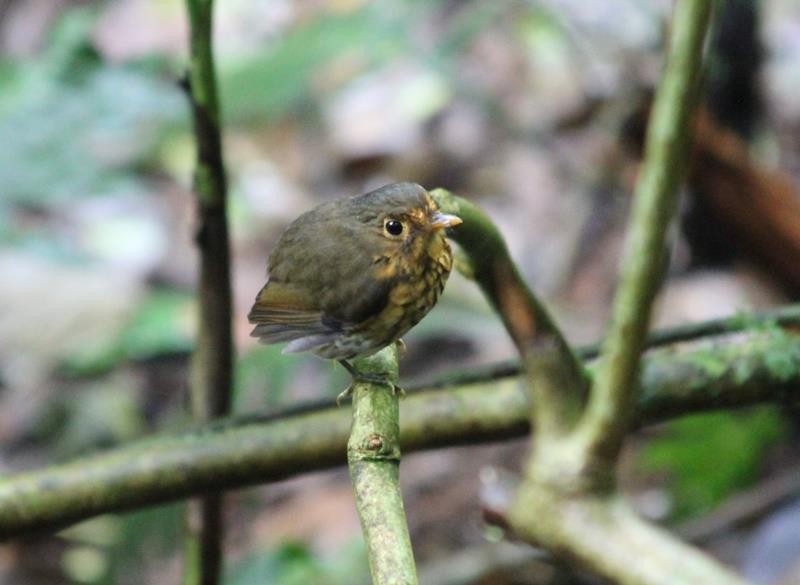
(373, 456)
(212, 360)
(788, 316)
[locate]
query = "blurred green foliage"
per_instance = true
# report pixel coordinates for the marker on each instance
(321, 55)
(79, 126)
(96, 414)
(784, 361)
(263, 376)
(118, 549)
(710, 456)
(262, 371)
(122, 549)
(161, 324)
(104, 413)
(296, 564)
(270, 84)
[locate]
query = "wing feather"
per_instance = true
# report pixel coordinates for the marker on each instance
(282, 312)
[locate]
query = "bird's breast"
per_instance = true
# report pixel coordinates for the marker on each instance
(417, 289)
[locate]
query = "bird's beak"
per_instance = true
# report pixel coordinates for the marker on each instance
(441, 220)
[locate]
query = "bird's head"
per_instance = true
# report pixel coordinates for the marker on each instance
(403, 218)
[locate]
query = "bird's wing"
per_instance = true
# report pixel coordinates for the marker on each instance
(283, 312)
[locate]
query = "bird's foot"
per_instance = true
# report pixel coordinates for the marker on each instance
(376, 378)
(347, 393)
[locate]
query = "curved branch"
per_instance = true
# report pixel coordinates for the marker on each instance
(555, 375)
(761, 367)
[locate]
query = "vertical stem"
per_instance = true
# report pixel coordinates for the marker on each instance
(613, 394)
(210, 376)
(373, 456)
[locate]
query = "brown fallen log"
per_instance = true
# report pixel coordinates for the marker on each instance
(753, 210)
(760, 207)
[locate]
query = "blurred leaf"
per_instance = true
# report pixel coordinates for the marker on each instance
(264, 374)
(162, 324)
(98, 414)
(102, 414)
(119, 549)
(270, 85)
(98, 531)
(79, 127)
(275, 83)
(76, 141)
(709, 456)
(288, 560)
(148, 535)
(84, 564)
(295, 564)
(263, 367)
(69, 53)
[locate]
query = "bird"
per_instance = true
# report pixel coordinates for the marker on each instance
(353, 275)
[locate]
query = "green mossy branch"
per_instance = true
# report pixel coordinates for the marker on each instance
(373, 456)
(234, 453)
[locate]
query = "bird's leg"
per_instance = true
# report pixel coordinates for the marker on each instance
(370, 378)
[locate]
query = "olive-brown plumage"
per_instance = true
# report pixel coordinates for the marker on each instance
(352, 276)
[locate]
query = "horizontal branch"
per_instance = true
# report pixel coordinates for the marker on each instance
(733, 372)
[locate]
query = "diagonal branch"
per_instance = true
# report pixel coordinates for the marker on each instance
(613, 394)
(556, 376)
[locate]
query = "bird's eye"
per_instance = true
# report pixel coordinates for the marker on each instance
(393, 227)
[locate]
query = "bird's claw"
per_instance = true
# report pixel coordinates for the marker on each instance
(368, 377)
(377, 379)
(346, 393)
